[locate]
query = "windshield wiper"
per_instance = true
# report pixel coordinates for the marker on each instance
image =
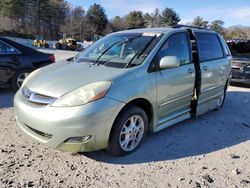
(106, 51)
(140, 51)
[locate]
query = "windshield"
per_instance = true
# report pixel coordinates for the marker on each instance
(120, 50)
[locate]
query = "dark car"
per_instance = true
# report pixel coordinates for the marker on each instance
(17, 61)
(241, 61)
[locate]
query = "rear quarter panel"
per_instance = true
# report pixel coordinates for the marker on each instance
(40, 60)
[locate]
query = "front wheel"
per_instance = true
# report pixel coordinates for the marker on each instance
(130, 129)
(19, 77)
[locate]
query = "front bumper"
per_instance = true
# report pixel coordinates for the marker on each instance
(53, 126)
(245, 81)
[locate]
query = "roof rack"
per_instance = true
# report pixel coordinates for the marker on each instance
(188, 26)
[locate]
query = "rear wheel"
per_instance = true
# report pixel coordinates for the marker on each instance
(129, 131)
(221, 100)
(19, 77)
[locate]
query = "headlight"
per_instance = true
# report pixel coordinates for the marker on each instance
(247, 69)
(83, 95)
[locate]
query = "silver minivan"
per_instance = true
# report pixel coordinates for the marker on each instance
(123, 86)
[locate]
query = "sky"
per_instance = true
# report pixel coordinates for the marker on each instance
(232, 12)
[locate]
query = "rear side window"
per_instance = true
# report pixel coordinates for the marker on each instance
(225, 47)
(209, 46)
(176, 45)
(6, 49)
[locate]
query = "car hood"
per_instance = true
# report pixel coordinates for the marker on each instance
(60, 78)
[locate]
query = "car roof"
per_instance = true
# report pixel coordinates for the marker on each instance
(166, 29)
(143, 30)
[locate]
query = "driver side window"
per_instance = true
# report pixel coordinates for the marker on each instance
(176, 45)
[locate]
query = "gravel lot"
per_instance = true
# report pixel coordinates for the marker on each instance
(210, 151)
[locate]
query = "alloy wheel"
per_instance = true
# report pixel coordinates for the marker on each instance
(220, 100)
(21, 78)
(131, 133)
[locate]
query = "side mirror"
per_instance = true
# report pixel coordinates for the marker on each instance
(168, 62)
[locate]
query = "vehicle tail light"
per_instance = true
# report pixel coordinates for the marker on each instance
(52, 58)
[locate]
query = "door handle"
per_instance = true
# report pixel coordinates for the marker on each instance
(190, 70)
(205, 68)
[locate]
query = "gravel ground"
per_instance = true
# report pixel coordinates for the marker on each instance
(212, 150)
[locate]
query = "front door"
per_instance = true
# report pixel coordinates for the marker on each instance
(175, 85)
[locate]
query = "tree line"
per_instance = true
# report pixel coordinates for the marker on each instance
(54, 18)
(31, 17)
(218, 25)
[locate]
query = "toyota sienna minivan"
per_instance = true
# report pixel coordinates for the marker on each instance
(123, 86)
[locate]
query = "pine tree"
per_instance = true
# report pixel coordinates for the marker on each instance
(97, 19)
(169, 17)
(135, 20)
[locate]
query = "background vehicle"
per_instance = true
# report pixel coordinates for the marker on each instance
(67, 44)
(17, 61)
(241, 61)
(39, 42)
(83, 45)
(123, 85)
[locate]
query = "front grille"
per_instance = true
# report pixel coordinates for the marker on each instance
(236, 74)
(235, 70)
(239, 63)
(36, 97)
(43, 134)
(236, 77)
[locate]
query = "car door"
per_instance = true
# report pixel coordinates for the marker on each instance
(9, 62)
(175, 85)
(214, 67)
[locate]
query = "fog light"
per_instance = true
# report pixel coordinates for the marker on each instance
(80, 139)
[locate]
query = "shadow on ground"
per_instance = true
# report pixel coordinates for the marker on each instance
(6, 98)
(211, 132)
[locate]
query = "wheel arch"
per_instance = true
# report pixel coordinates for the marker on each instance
(12, 80)
(143, 104)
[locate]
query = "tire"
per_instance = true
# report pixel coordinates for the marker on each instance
(121, 144)
(19, 77)
(221, 100)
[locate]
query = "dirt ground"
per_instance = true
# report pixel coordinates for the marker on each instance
(209, 151)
